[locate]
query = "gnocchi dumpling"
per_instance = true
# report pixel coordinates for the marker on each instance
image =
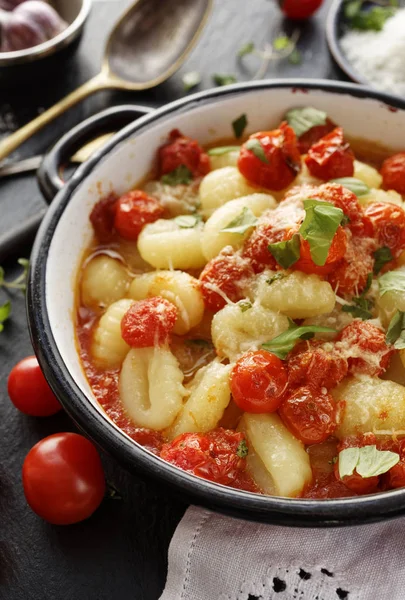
(367, 174)
(104, 280)
(390, 302)
(222, 185)
(177, 287)
(108, 348)
(375, 195)
(166, 245)
(236, 329)
(214, 240)
(227, 159)
(209, 396)
(150, 387)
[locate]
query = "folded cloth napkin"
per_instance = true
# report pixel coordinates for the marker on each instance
(213, 557)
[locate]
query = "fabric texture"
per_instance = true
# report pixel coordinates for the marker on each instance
(214, 557)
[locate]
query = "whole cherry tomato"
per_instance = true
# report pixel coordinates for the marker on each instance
(389, 225)
(393, 173)
(148, 322)
(331, 157)
(365, 347)
(182, 151)
(63, 478)
(258, 381)
(133, 211)
(29, 390)
(299, 9)
(311, 363)
(274, 162)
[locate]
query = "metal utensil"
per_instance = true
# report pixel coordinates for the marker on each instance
(147, 45)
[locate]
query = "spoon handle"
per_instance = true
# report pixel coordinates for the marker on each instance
(99, 82)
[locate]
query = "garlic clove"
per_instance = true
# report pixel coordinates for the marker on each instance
(18, 33)
(43, 15)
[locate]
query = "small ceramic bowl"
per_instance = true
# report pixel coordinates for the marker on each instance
(66, 231)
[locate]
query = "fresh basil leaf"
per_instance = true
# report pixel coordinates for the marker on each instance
(357, 311)
(275, 277)
(245, 305)
(255, 146)
(221, 79)
(5, 312)
(281, 42)
(356, 186)
(242, 450)
(295, 57)
(321, 222)
(303, 119)
(239, 125)
(369, 281)
(367, 461)
(187, 221)
(396, 331)
(286, 253)
(241, 223)
(191, 80)
(382, 256)
(392, 281)
(180, 175)
(285, 342)
(222, 150)
(246, 49)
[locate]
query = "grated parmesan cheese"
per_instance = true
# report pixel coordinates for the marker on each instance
(379, 55)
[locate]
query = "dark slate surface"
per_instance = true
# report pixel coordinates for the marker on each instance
(121, 552)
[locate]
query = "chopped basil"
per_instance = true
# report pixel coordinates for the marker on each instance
(362, 305)
(357, 312)
(321, 222)
(367, 461)
(393, 281)
(239, 125)
(286, 253)
(187, 221)
(382, 256)
(303, 119)
(180, 175)
(369, 281)
(245, 305)
(281, 42)
(221, 79)
(255, 146)
(242, 450)
(285, 342)
(220, 150)
(295, 57)
(244, 221)
(246, 49)
(191, 80)
(5, 311)
(396, 331)
(356, 186)
(275, 277)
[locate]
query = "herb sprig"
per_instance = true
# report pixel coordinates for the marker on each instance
(20, 283)
(282, 47)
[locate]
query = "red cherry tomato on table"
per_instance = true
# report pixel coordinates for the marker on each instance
(282, 160)
(299, 9)
(258, 381)
(331, 157)
(29, 390)
(133, 211)
(63, 478)
(393, 173)
(182, 150)
(365, 340)
(389, 224)
(148, 322)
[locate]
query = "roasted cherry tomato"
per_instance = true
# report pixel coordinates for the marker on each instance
(256, 247)
(227, 273)
(358, 484)
(29, 390)
(309, 414)
(310, 363)
(133, 211)
(102, 218)
(258, 381)
(277, 161)
(365, 340)
(340, 197)
(393, 173)
(308, 139)
(336, 252)
(351, 274)
(63, 478)
(148, 322)
(182, 150)
(389, 225)
(218, 455)
(331, 157)
(299, 9)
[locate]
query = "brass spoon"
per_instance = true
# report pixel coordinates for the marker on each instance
(147, 45)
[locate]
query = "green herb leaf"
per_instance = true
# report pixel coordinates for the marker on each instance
(393, 281)
(286, 253)
(357, 312)
(372, 19)
(369, 281)
(367, 461)
(356, 186)
(222, 150)
(396, 331)
(187, 221)
(303, 119)
(245, 305)
(382, 256)
(180, 176)
(295, 57)
(255, 146)
(282, 42)
(244, 221)
(285, 342)
(275, 277)
(221, 79)
(246, 49)
(243, 449)
(319, 227)
(5, 312)
(239, 125)
(362, 305)
(191, 80)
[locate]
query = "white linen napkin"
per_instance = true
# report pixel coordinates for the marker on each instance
(213, 557)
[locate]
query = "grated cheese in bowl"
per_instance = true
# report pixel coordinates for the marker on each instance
(379, 56)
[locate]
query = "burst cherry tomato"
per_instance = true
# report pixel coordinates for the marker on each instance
(393, 173)
(148, 322)
(389, 225)
(311, 364)
(133, 211)
(309, 414)
(358, 484)
(102, 218)
(258, 382)
(181, 150)
(336, 252)
(350, 276)
(340, 197)
(308, 139)
(228, 273)
(331, 157)
(395, 478)
(63, 478)
(365, 340)
(280, 162)
(29, 390)
(299, 9)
